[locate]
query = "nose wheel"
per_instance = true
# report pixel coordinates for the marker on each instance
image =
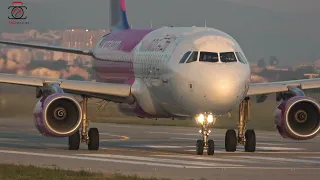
(200, 147)
(205, 120)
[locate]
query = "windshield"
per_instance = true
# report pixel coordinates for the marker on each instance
(193, 57)
(228, 57)
(241, 58)
(184, 57)
(208, 57)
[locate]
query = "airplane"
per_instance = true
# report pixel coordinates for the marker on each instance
(167, 72)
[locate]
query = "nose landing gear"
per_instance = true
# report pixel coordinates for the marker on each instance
(205, 121)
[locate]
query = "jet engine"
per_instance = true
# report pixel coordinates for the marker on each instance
(57, 115)
(298, 118)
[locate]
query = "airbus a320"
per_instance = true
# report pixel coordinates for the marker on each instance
(169, 72)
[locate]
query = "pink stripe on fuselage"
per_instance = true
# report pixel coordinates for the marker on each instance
(118, 72)
(123, 5)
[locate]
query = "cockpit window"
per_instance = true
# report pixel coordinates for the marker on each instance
(228, 57)
(184, 57)
(193, 57)
(208, 57)
(241, 58)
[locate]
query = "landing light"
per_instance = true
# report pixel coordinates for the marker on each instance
(210, 118)
(200, 118)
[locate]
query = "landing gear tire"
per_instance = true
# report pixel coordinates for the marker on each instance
(74, 141)
(231, 140)
(250, 144)
(200, 147)
(93, 135)
(210, 149)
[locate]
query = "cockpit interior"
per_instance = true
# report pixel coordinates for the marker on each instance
(213, 57)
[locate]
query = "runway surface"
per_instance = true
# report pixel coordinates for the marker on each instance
(162, 152)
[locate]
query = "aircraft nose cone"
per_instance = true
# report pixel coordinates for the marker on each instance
(226, 90)
(218, 88)
(226, 86)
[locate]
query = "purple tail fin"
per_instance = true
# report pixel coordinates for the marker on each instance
(118, 15)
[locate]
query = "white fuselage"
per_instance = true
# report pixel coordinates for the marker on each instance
(168, 86)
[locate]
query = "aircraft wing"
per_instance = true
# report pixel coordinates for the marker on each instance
(282, 86)
(52, 48)
(109, 91)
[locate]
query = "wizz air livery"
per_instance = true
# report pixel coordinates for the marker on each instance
(170, 72)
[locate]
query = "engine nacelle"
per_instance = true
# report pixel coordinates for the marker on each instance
(298, 118)
(57, 115)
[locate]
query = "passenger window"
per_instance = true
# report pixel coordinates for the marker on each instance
(241, 58)
(228, 57)
(193, 57)
(185, 56)
(208, 57)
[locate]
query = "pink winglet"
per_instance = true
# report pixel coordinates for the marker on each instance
(123, 5)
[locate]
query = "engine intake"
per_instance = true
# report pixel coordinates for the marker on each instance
(58, 115)
(298, 118)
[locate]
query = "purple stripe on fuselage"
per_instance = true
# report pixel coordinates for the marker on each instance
(118, 72)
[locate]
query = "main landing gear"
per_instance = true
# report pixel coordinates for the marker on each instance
(248, 139)
(205, 120)
(91, 137)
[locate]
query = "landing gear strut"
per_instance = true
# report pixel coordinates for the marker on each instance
(205, 120)
(91, 137)
(247, 139)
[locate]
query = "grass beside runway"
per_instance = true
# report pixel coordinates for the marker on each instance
(12, 172)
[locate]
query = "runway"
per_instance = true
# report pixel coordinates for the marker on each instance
(151, 151)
